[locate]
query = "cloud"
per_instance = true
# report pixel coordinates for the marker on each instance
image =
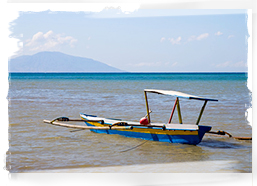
(240, 64)
(172, 40)
(218, 33)
(174, 64)
(175, 41)
(192, 38)
(49, 41)
(163, 39)
(155, 64)
(200, 37)
(230, 36)
(152, 64)
(225, 64)
(231, 64)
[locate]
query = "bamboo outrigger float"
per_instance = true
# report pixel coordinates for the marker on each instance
(145, 129)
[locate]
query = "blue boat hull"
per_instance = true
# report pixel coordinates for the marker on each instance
(183, 136)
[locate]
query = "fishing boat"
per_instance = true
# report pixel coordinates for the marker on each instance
(145, 129)
(164, 132)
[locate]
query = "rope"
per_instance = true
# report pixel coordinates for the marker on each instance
(135, 146)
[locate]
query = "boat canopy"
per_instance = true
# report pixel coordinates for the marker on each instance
(178, 94)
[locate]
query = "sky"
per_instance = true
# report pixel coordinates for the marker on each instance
(146, 40)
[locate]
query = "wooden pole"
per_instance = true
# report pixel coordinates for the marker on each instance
(173, 109)
(201, 112)
(147, 107)
(179, 112)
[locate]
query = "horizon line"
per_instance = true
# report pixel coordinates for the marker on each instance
(119, 72)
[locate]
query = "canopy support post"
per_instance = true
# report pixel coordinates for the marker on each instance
(201, 112)
(147, 107)
(173, 109)
(179, 112)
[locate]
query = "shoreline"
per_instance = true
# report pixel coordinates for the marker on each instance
(221, 166)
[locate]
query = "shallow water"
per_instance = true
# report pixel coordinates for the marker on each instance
(35, 145)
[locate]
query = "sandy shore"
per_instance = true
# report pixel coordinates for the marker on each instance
(171, 174)
(181, 167)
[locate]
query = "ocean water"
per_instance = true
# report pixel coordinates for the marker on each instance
(33, 97)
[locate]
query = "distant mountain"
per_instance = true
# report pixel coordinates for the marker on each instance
(57, 62)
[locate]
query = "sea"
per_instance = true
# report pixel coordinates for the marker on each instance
(35, 145)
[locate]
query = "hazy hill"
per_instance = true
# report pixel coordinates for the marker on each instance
(57, 62)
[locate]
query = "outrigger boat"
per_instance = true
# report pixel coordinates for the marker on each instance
(145, 129)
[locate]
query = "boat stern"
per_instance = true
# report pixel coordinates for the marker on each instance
(202, 130)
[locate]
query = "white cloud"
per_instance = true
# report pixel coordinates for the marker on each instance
(225, 64)
(174, 64)
(49, 41)
(155, 64)
(191, 38)
(230, 36)
(231, 64)
(240, 64)
(152, 64)
(175, 41)
(163, 39)
(200, 37)
(218, 33)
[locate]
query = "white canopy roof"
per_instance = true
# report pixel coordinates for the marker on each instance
(178, 94)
